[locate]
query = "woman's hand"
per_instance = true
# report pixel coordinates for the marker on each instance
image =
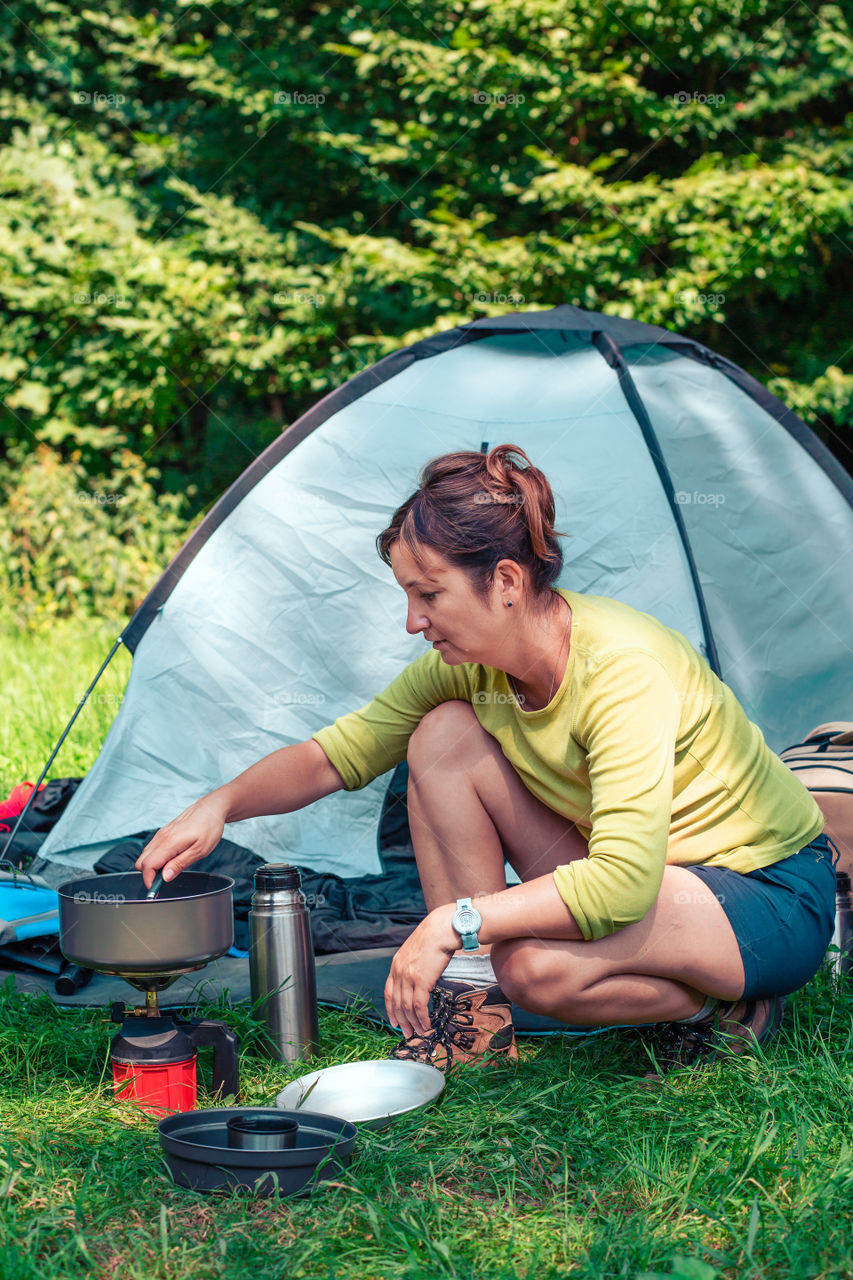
(190, 836)
(416, 968)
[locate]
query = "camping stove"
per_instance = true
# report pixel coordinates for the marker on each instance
(153, 1058)
(108, 924)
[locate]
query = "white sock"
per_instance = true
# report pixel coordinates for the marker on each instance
(473, 968)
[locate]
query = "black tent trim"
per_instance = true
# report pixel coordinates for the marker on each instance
(616, 360)
(569, 319)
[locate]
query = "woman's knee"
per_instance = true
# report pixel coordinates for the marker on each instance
(443, 734)
(532, 977)
(519, 966)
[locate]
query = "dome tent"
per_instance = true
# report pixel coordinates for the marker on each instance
(688, 492)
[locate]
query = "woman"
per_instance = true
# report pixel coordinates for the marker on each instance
(673, 871)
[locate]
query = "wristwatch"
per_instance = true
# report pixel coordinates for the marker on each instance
(466, 921)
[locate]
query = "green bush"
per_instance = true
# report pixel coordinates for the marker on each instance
(70, 545)
(209, 219)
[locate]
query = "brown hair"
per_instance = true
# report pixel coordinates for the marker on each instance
(477, 509)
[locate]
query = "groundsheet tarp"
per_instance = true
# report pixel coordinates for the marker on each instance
(353, 980)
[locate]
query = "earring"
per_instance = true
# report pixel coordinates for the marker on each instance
(509, 604)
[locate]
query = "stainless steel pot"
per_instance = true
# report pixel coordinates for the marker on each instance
(106, 923)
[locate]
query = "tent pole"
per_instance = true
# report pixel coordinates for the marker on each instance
(106, 662)
(616, 360)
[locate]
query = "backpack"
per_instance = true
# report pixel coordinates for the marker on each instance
(823, 762)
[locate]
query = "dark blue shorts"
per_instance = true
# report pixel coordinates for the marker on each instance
(783, 916)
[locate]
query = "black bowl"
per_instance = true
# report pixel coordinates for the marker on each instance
(195, 1145)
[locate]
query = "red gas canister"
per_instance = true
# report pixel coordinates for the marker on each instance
(154, 1062)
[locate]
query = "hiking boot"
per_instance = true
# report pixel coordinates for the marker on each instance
(469, 1024)
(720, 1035)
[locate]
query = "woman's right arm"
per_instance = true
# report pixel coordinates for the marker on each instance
(279, 783)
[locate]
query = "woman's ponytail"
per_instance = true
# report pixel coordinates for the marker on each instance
(477, 509)
(530, 491)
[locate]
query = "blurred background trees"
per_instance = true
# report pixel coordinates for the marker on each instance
(211, 218)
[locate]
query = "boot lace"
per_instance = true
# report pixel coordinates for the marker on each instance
(676, 1044)
(451, 1015)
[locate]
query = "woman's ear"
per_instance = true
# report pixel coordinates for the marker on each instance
(509, 582)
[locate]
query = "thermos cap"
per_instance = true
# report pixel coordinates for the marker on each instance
(842, 882)
(277, 875)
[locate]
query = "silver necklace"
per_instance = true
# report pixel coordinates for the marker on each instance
(520, 696)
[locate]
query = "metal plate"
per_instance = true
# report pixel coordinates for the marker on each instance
(368, 1093)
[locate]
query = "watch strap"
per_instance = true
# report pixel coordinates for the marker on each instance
(470, 941)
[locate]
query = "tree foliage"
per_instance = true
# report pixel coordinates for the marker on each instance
(70, 545)
(212, 216)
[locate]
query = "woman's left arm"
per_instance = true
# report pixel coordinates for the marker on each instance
(530, 910)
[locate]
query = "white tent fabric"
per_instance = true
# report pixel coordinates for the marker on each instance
(286, 618)
(772, 537)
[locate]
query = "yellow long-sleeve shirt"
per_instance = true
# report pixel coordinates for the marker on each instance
(642, 746)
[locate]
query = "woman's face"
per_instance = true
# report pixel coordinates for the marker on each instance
(442, 605)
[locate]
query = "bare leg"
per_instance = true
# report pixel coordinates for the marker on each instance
(469, 810)
(658, 970)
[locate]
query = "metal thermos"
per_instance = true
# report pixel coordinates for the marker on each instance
(281, 964)
(842, 938)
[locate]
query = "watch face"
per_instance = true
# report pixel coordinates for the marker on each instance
(467, 920)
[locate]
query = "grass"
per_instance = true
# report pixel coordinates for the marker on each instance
(44, 677)
(562, 1165)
